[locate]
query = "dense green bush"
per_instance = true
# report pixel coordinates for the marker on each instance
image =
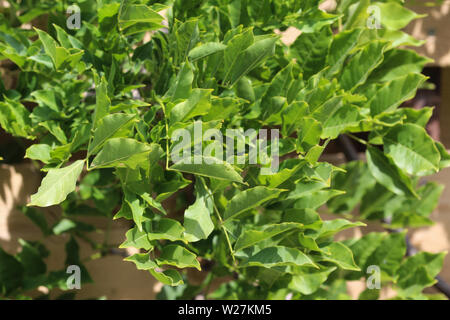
(101, 103)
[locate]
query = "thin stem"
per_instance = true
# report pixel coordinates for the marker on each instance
(167, 134)
(357, 139)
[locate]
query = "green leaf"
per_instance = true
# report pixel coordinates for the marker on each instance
(343, 118)
(163, 229)
(308, 217)
(399, 38)
(391, 94)
(313, 155)
(186, 36)
(355, 182)
(340, 255)
(137, 239)
(282, 176)
(316, 198)
(237, 44)
(205, 50)
(279, 256)
(198, 103)
(111, 126)
(107, 11)
(363, 248)
(66, 225)
(103, 103)
(412, 287)
(432, 262)
(313, 20)
(417, 272)
(152, 202)
(251, 237)
(308, 242)
(292, 115)
(331, 227)
(310, 50)
(56, 185)
(178, 256)
(398, 63)
(249, 199)
(395, 16)
(250, 58)
(39, 152)
(63, 226)
(308, 134)
(119, 152)
(308, 282)
(278, 88)
(182, 86)
(209, 167)
(134, 18)
(419, 117)
(56, 53)
(386, 173)
(142, 261)
(411, 149)
(197, 217)
(169, 277)
(168, 229)
(137, 208)
(340, 48)
(54, 128)
(389, 254)
(429, 194)
(15, 119)
(445, 156)
(66, 40)
(223, 108)
(357, 13)
(306, 189)
(124, 212)
(361, 65)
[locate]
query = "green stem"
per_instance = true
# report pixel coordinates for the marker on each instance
(358, 139)
(167, 135)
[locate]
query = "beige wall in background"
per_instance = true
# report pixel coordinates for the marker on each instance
(434, 28)
(444, 108)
